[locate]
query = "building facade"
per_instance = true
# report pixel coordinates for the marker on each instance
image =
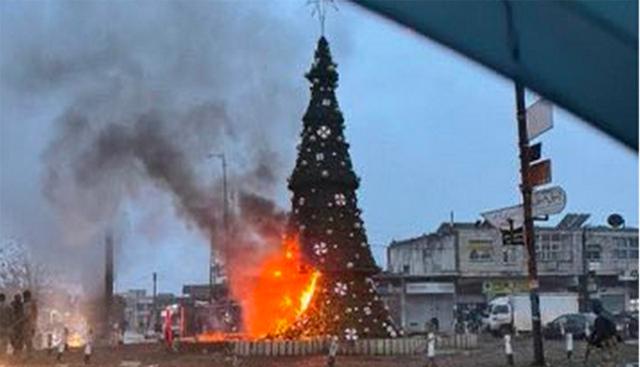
(139, 308)
(465, 265)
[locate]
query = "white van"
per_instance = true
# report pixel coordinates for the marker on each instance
(515, 310)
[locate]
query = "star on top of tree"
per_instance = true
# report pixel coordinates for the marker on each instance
(319, 9)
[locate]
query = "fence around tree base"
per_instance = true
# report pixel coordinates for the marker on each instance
(382, 347)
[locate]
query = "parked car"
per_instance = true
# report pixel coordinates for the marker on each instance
(574, 323)
(627, 324)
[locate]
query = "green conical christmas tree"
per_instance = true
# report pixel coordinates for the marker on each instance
(326, 218)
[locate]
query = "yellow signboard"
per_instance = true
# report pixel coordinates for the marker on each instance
(505, 286)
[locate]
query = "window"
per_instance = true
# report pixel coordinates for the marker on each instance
(620, 254)
(593, 252)
(479, 255)
(553, 247)
(625, 248)
(498, 309)
(633, 248)
(427, 253)
(481, 251)
(561, 320)
(405, 269)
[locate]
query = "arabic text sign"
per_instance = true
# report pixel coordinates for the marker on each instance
(543, 202)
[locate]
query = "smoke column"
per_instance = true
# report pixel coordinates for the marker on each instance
(125, 100)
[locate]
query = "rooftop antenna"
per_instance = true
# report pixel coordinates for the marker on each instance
(320, 10)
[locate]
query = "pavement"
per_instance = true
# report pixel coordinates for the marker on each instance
(489, 354)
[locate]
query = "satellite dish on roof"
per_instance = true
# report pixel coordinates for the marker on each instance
(615, 220)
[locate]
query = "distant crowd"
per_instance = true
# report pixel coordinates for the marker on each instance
(18, 322)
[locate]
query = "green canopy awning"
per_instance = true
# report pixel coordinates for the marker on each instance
(582, 55)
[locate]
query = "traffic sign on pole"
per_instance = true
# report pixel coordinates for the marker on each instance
(513, 237)
(539, 118)
(540, 173)
(535, 152)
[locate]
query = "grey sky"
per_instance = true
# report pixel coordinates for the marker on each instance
(430, 131)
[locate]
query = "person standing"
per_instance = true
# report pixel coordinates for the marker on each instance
(5, 324)
(430, 344)
(63, 345)
(604, 336)
(88, 347)
(30, 320)
(17, 325)
(333, 351)
(168, 328)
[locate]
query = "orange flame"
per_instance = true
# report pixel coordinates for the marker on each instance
(75, 340)
(283, 290)
(216, 337)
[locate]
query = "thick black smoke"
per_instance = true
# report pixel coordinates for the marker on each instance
(138, 94)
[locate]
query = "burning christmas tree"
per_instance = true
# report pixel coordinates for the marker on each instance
(326, 220)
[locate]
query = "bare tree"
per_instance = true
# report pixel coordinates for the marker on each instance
(19, 270)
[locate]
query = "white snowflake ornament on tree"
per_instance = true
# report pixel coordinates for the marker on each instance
(340, 289)
(340, 199)
(323, 131)
(326, 102)
(320, 249)
(319, 157)
(350, 334)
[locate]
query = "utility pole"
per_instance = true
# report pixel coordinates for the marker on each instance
(108, 290)
(154, 309)
(225, 213)
(585, 272)
(525, 187)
